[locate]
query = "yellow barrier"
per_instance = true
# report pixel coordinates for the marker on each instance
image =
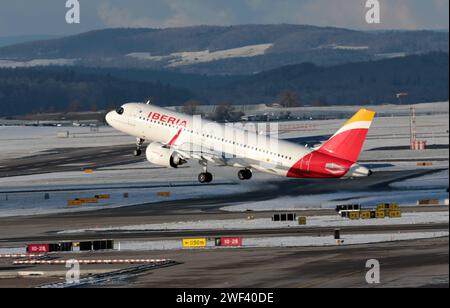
(194, 243)
(387, 206)
(88, 171)
(103, 196)
(395, 214)
(74, 202)
(424, 164)
(164, 194)
(353, 215)
(380, 214)
(365, 215)
(428, 202)
(88, 200)
(302, 220)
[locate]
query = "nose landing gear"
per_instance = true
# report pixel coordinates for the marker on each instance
(139, 144)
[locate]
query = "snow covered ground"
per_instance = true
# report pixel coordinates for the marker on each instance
(37, 62)
(266, 223)
(190, 58)
(385, 131)
(23, 141)
(327, 201)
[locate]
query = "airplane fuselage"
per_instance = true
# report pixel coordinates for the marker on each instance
(236, 147)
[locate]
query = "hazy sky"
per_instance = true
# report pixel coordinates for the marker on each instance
(25, 17)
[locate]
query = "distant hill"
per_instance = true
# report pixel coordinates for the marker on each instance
(424, 77)
(245, 49)
(14, 40)
(31, 90)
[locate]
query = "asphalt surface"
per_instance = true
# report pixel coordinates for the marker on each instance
(162, 234)
(416, 263)
(380, 181)
(70, 159)
(412, 263)
(422, 263)
(43, 226)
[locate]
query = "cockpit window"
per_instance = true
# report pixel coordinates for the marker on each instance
(120, 110)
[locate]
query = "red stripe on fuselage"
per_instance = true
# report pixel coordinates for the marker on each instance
(175, 138)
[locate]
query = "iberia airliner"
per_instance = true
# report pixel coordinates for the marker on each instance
(176, 138)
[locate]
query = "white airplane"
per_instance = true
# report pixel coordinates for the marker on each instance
(176, 138)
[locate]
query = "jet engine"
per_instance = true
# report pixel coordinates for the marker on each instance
(159, 155)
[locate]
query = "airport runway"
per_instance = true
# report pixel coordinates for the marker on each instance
(179, 234)
(409, 263)
(69, 159)
(422, 263)
(192, 209)
(417, 263)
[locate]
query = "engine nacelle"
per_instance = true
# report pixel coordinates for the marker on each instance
(159, 155)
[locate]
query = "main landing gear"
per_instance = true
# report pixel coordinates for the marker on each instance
(139, 144)
(205, 176)
(245, 174)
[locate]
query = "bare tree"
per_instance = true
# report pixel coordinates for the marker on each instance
(190, 107)
(225, 112)
(288, 99)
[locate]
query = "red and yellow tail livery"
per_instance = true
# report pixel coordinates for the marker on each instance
(338, 156)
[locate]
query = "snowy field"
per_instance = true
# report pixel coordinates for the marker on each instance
(266, 223)
(24, 195)
(37, 62)
(24, 141)
(385, 131)
(190, 58)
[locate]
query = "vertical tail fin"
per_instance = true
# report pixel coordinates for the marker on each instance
(348, 142)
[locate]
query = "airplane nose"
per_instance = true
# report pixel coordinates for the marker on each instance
(109, 117)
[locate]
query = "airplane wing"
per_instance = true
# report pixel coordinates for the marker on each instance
(190, 151)
(311, 141)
